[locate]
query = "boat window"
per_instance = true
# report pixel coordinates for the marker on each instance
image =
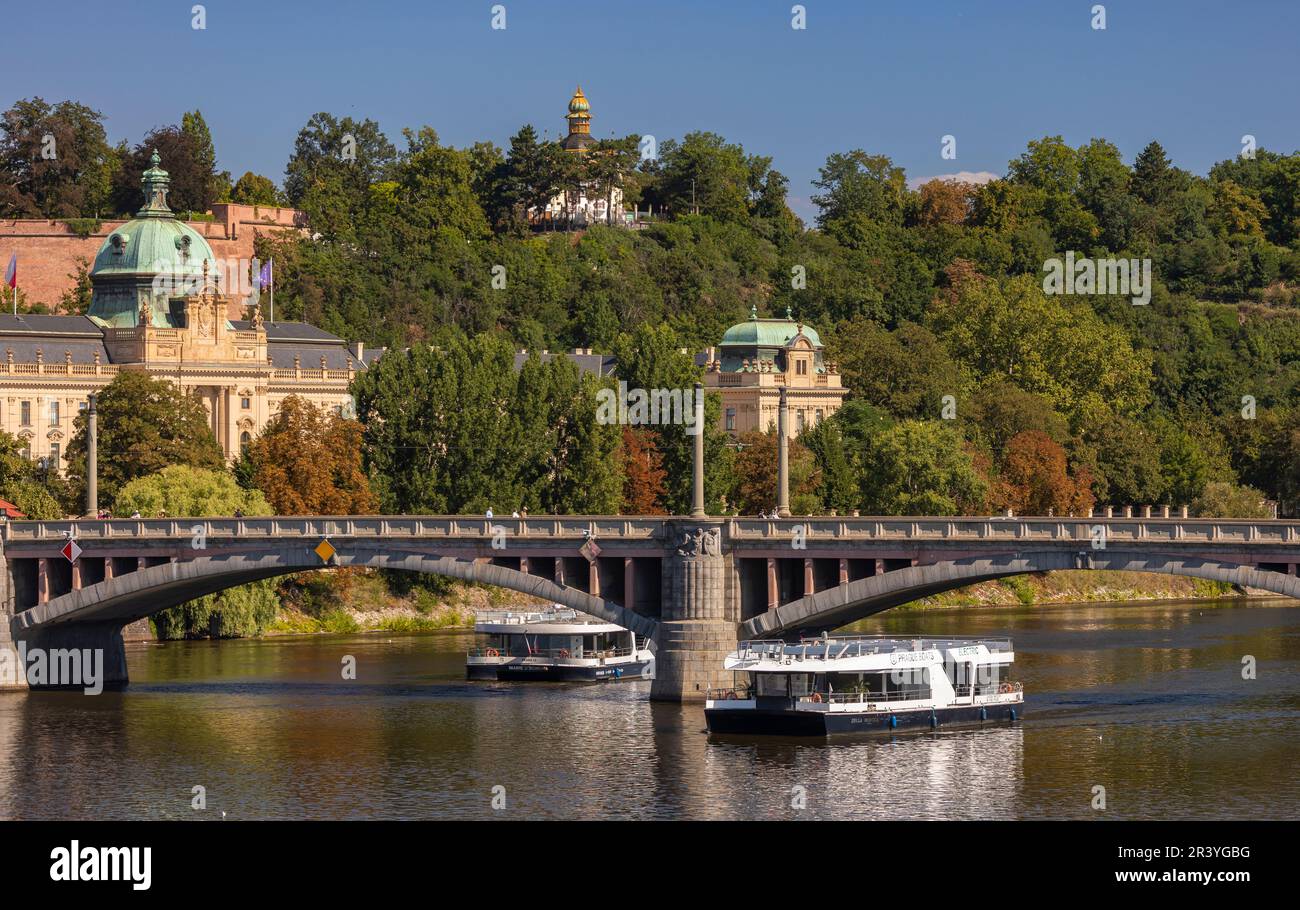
(800, 684)
(771, 683)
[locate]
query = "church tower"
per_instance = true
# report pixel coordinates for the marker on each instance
(579, 118)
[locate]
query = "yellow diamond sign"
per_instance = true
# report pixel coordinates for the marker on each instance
(325, 550)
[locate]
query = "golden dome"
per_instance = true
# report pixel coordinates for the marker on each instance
(578, 104)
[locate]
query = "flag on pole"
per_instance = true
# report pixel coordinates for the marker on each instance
(264, 276)
(11, 279)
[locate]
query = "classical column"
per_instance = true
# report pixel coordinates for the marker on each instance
(629, 582)
(42, 580)
(696, 631)
(593, 578)
(809, 579)
(773, 587)
(697, 461)
(783, 457)
(76, 575)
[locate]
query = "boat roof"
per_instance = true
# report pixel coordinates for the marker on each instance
(549, 621)
(861, 654)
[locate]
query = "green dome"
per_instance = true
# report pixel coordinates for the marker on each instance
(154, 242)
(768, 333)
(149, 246)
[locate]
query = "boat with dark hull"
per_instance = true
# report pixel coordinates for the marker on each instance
(849, 685)
(556, 644)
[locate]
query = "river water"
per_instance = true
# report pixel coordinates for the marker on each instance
(1145, 700)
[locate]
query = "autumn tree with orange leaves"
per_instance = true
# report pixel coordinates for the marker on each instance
(643, 473)
(1035, 478)
(307, 461)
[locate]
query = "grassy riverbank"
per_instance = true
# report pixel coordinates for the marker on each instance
(1076, 587)
(363, 601)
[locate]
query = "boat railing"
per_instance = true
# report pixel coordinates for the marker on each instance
(833, 649)
(518, 617)
(867, 698)
(979, 691)
(730, 693)
(556, 653)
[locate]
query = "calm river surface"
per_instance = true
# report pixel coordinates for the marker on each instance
(1145, 700)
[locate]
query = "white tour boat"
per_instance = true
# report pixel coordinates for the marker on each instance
(825, 686)
(555, 644)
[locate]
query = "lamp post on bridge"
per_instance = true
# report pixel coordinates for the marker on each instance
(783, 458)
(697, 461)
(92, 459)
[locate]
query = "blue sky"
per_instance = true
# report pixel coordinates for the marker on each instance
(889, 76)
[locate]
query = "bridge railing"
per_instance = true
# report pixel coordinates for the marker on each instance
(1029, 529)
(372, 526)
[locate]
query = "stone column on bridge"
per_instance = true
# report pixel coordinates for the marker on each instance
(880, 567)
(783, 456)
(698, 625)
(559, 571)
(844, 571)
(523, 564)
(42, 580)
(809, 577)
(76, 575)
(593, 578)
(629, 582)
(12, 675)
(773, 585)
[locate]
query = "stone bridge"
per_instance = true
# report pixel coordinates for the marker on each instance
(691, 586)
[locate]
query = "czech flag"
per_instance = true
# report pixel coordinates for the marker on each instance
(11, 273)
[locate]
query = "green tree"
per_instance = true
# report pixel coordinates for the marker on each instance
(254, 189)
(55, 161)
(145, 425)
(921, 468)
(182, 491)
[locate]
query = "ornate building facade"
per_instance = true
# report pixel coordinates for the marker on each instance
(583, 204)
(157, 306)
(758, 358)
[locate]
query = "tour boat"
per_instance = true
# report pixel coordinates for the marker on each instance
(556, 644)
(827, 686)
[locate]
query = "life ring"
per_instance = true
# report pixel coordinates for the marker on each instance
(816, 698)
(1005, 688)
(564, 652)
(493, 652)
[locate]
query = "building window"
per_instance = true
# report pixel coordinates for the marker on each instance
(26, 414)
(798, 422)
(54, 410)
(245, 403)
(27, 453)
(54, 455)
(731, 418)
(819, 415)
(801, 367)
(245, 441)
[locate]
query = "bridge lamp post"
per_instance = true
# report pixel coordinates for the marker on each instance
(783, 457)
(92, 459)
(697, 462)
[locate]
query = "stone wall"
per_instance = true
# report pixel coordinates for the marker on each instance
(48, 251)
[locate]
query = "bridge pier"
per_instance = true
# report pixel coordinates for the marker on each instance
(698, 626)
(83, 636)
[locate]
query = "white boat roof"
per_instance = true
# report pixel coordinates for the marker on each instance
(551, 621)
(863, 655)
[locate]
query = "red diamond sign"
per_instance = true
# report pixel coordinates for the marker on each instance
(590, 549)
(71, 551)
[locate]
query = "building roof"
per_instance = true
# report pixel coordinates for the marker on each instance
(770, 333)
(303, 332)
(43, 324)
(600, 364)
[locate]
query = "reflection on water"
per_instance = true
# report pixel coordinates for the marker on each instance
(1146, 700)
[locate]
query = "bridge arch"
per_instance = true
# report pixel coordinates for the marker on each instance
(839, 606)
(135, 595)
